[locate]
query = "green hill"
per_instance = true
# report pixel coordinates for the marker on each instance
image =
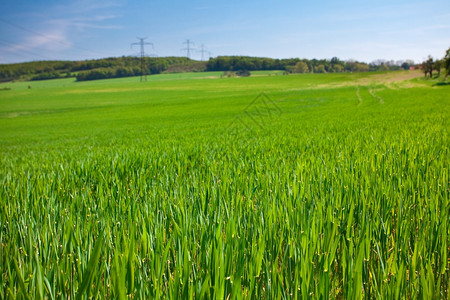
(116, 67)
(97, 69)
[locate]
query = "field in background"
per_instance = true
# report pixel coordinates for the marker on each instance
(193, 186)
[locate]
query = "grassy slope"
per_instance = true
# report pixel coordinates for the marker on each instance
(132, 99)
(348, 179)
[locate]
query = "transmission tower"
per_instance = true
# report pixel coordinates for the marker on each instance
(143, 67)
(203, 51)
(188, 48)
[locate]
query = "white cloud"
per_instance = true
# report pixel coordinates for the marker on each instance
(52, 36)
(54, 39)
(94, 22)
(87, 6)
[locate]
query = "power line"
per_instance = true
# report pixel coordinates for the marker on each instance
(143, 67)
(188, 48)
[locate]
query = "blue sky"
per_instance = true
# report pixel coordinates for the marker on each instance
(360, 30)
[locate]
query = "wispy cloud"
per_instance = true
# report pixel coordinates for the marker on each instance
(51, 41)
(88, 6)
(94, 22)
(57, 28)
(417, 30)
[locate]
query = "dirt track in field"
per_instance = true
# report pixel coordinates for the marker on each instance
(396, 77)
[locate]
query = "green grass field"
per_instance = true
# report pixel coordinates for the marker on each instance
(192, 186)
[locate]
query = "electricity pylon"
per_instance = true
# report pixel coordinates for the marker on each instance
(143, 67)
(203, 51)
(188, 48)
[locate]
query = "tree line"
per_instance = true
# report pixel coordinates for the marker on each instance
(431, 64)
(115, 67)
(131, 66)
(297, 65)
(112, 67)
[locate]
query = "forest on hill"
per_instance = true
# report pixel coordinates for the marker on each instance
(97, 68)
(125, 66)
